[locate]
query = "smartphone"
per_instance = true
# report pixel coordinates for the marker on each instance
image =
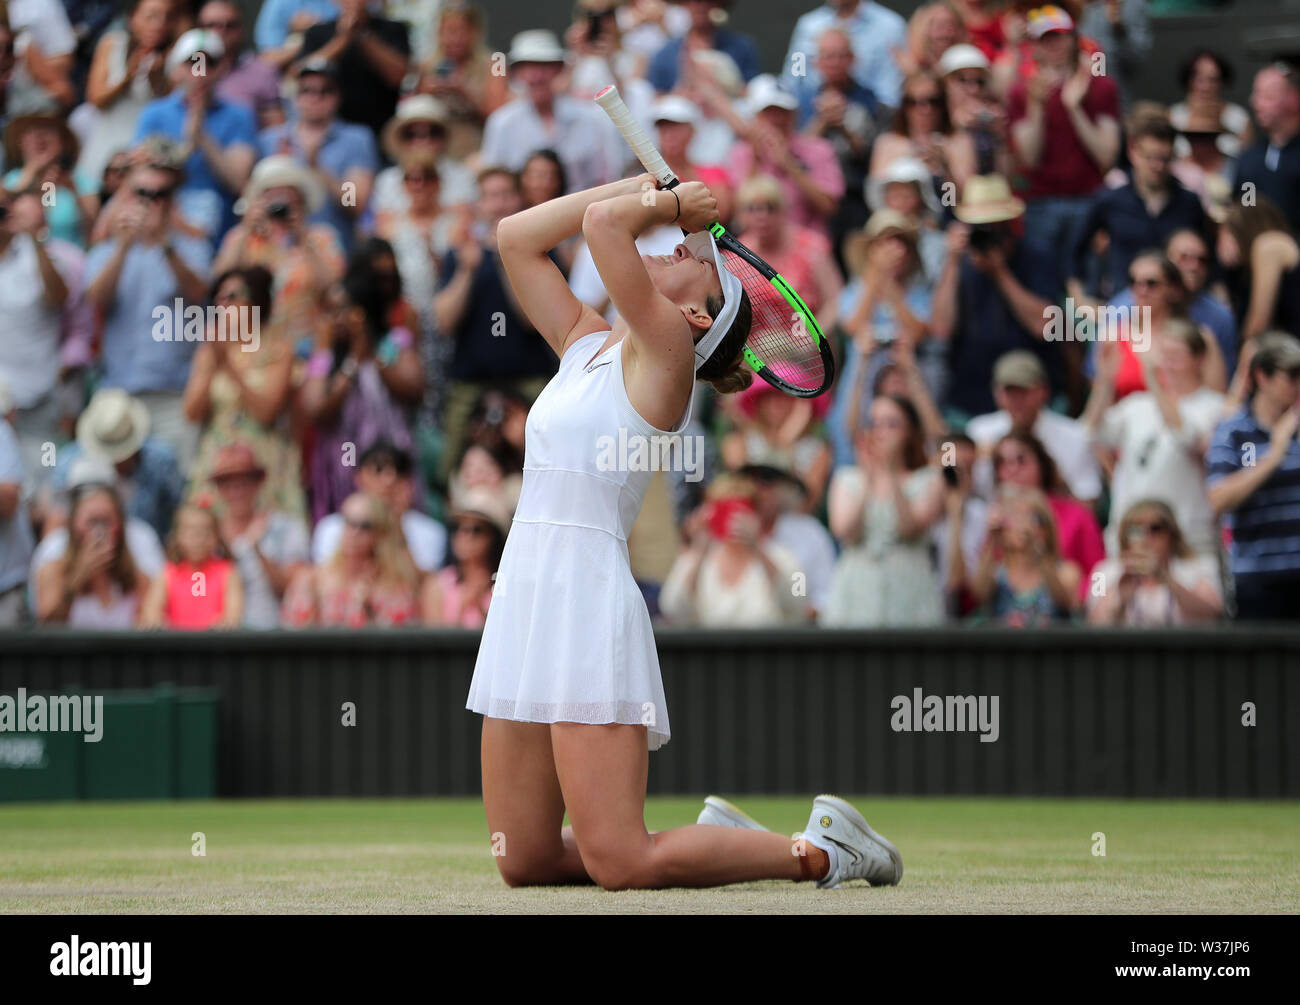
(949, 475)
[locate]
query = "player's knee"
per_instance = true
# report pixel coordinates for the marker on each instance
(614, 869)
(519, 870)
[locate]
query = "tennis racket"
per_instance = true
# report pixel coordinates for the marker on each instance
(786, 346)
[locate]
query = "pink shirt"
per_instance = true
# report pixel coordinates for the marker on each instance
(1078, 535)
(815, 153)
(186, 610)
(452, 614)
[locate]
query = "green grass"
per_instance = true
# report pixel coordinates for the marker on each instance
(961, 855)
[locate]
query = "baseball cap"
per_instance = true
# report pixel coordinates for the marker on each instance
(194, 41)
(766, 92)
(675, 108)
(1044, 20)
(1020, 368)
(700, 245)
(961, 57)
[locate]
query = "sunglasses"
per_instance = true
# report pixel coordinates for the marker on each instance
(412, 179)
(1191, 256)
(318, 92)
(422, 133)
(220, 25)
(153, 194)
(1146, 284)
(931, 102)
(362, 525)
(238, 293)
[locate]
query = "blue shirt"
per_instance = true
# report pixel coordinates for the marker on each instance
(807, 90)
(1203, 310)
(874, 32)
(156, 483)
(666, 63)
(346, 148)
(1275, 171)
(273, 19)
(131, 358)
(1266, 526)
(210, 205)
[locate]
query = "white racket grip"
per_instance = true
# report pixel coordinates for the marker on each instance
(647, 153)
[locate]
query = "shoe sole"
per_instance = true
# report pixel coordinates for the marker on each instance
(859, 821)
(734, 812)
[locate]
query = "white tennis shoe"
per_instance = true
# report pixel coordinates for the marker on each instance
(855, 850)
(720, 813)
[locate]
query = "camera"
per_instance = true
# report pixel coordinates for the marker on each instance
(278, 210)
(984, 238)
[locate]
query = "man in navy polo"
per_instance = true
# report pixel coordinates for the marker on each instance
(1253, 474)
(220, 138)
(1272, 164)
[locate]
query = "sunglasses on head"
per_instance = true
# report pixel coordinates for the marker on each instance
(153, 194)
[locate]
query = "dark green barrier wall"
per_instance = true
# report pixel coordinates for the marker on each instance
(1083, 713)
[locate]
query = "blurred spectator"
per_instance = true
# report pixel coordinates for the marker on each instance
(711, 81)
(1161, 434)
(127, 72)
(147, 264)
(476, 308)
(199, 587)
(983, 25)
(920, 128)
(1272, 164)
(781, 502)
(776, 429)
(1205, 78)
(15, 529)
(267, 544)
(419, 127)
(1122, 29)
(342, 157)
(369, 580)
(1202, 166)
(597, 58)
(1157, 579)
(47, 44)
(459, 594)
(1022, 581)
(978, 144)
(705, 32)
(94, 582)
(243, 78)
(384, 473)
(543, 179)
(304, 258)
(965, 523)
(849, 116)
(805, 166)
(33, 293)
(906, 186)
(675, 120)
(1004, 285)
(1254, 481)
(419, 234)
(40, 151)
(800, 254)
(458, 72)
(1020, 458)
(361, 383)
(372, 55)
(1140, 214)
(874, 33)
(240, 391)
(492, 469)
(219, 139)
(882, 510)
(1065, 131)
(113, 431)
(281, 24)
(931, 31)
(540, 119)
(1021, 392)
(1262, 261)
(729, 575)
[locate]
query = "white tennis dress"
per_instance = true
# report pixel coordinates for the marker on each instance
(568, 636)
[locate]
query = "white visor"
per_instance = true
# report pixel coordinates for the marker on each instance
(700, 245)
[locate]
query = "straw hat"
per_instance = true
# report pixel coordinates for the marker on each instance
(987, 198)
(114, 425)
(235, 459)
(14, 135)
(485, 505)
(417, 108)
(882, 221)
(279, 170)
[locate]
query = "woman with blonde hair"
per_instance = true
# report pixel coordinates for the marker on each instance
(370, 581)
(921, 127)
(460, 74)
(932, 29)
(1157, 579)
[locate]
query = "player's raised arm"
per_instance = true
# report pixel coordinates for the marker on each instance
(524, 241)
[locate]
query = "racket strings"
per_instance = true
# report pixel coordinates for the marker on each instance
(779, 335)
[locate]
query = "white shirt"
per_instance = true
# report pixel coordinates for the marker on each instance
(1157, 463)
(29, 362)
(426, 539)
(753, 601)
(1066, 442)
(141, 542)
(1152, 603)
(591, 149)
(585, 281)
(456, 187)
(813, 549)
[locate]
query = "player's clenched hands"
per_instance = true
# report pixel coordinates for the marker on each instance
(699, 208)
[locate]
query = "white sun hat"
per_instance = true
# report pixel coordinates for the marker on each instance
(194, 41)
(701, 245)
(903, 169)
(962, 57)
(281, 170)
(766, 92)
(675, 108)
(536, 46)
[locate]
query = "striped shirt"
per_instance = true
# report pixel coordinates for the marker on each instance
(1266, 526)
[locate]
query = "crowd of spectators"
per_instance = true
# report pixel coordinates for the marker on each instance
(261, 366)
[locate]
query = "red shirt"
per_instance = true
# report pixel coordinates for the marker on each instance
(1064, 167)
(988, 38)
